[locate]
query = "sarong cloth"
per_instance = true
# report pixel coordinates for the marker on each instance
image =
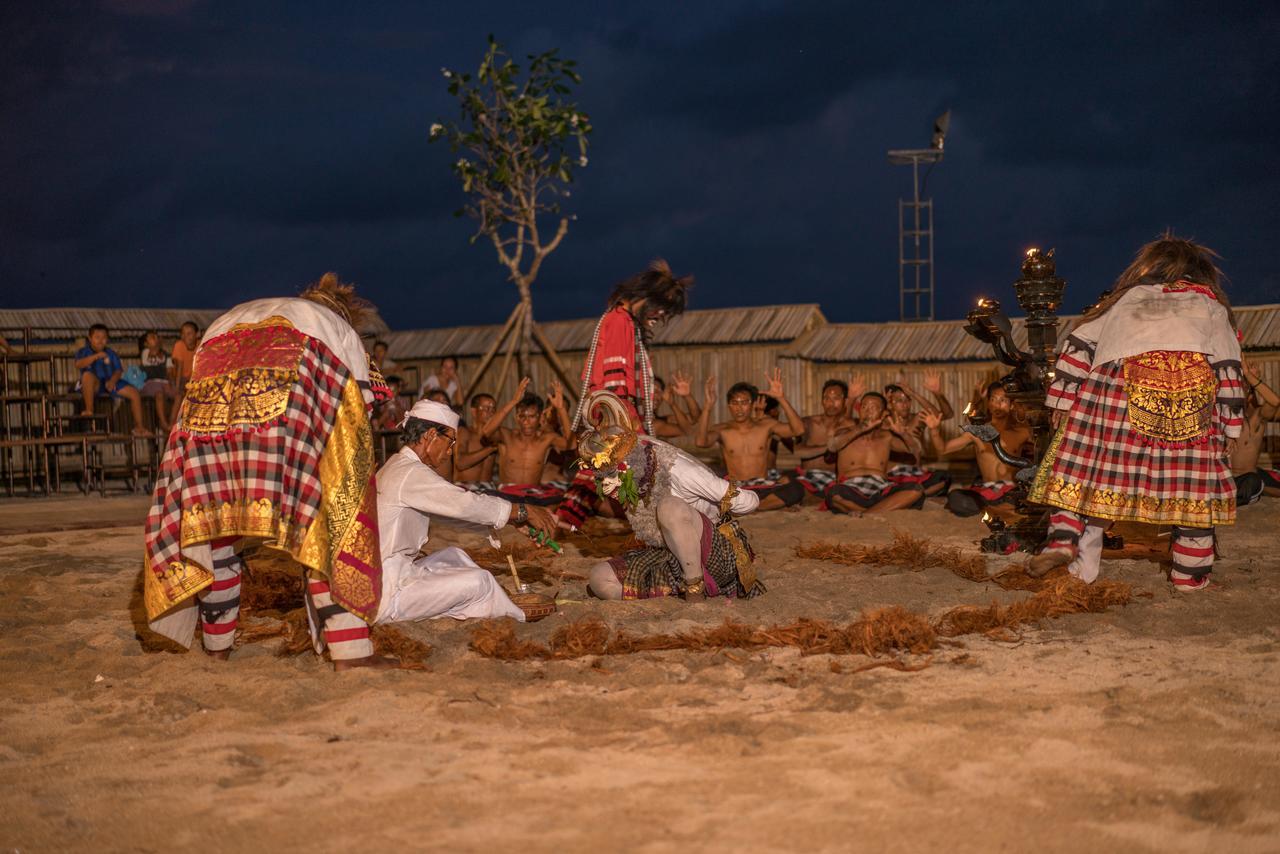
(544, 494)
(650, 573)
(771, 479)
(274, 444)
(815, 481)
(1144, 435)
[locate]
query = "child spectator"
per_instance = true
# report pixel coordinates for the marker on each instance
(156, 364)
(100, 376)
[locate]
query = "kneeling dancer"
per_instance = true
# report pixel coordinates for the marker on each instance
(671, 500)
(273, 446)
(447, 583)
(1149, 400)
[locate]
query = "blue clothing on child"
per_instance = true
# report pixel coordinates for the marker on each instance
(102, 369)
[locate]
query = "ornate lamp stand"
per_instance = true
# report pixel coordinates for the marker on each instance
(1039, 294)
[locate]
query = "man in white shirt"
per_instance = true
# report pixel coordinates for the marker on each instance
(446, 583)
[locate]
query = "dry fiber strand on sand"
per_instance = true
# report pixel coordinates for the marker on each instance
(918, 554)
(885, 630)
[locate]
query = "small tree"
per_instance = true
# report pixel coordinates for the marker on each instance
(519, 142)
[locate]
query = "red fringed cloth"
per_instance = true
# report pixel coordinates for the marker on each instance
(621, 365)
(273, 444)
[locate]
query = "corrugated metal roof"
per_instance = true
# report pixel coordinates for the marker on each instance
(747, 325)
(946, 340)
(74, 322)
(1259, 325)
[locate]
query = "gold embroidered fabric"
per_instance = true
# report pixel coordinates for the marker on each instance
(731, 532)
(249, 517)
(182, 579)
(1123, 506)
(1171, 395)
(342, 543)
(243, 377)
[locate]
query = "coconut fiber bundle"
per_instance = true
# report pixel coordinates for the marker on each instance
(893, 630)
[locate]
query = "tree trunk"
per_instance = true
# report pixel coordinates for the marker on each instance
(526, 367)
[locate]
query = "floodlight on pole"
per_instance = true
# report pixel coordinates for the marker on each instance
(915, 221)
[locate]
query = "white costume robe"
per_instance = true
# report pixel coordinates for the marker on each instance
(446, 583)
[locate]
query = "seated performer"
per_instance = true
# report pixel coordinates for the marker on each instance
(997, 483)
(679, 423)
(522, 453)
(475, 454)
(1149, 399)
(1261, 405)
(671, 500)
(911, 424)
(862, 459)
(744, 441)
(767, 406)
(817, 464)
(446, 583)
(273, 445)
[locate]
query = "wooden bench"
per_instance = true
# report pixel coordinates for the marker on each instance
(44, 463)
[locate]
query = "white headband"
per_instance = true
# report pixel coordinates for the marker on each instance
(429, 410)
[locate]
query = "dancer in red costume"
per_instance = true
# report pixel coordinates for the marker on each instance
(618, 361)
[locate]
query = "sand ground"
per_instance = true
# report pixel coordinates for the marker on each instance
(1151, 727)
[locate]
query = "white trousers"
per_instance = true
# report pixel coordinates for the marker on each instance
(447, 583)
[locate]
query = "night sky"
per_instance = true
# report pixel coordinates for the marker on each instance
(161, 152)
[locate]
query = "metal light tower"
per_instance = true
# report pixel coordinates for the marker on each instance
(915, 229)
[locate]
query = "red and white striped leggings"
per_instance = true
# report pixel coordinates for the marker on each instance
(1081, 537)
(346, 635)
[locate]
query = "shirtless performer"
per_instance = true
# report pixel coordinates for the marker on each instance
(910, 423)
(768, 407)
(522, 452)
(744, 441)
(1261, 405)
(476, 455)
(817, 464)
(680, 422)
(862, 458)
(997, 478)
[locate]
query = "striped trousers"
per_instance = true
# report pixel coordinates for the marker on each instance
(346, 635)
(1081, 537)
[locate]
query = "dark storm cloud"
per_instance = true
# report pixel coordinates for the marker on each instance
(193, 153)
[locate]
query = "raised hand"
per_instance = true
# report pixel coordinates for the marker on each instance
(857, 386)
(522, 388)
(932, 418)
(556, 398)
(709, 391)
(681, 384)
(774, 382)
(933, 381)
